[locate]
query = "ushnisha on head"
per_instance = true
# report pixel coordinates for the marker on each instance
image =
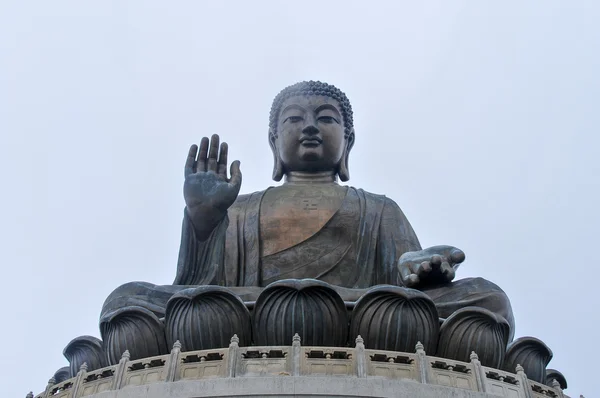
(311, 130)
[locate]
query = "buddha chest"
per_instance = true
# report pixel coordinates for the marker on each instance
(291, 214)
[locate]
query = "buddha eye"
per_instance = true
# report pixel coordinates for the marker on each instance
(328, 119)
(293, 119)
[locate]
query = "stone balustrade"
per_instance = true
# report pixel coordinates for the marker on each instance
(297, 360)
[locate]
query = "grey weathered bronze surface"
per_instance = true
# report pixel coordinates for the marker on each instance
(62, 374)
(532, 354)
(474, 329)
(310, 227)
(553, 374)
(134, 329)
(395, 319)
(201, 318)
(310, 308)
(84, 349)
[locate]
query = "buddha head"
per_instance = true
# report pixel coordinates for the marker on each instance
(311, 130)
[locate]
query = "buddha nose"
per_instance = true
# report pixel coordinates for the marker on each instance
(310, 129)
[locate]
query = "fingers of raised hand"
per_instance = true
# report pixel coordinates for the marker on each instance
(210, 157)
(236, 175)
(213, 152)
(222, 163)
(201, 161)
(190, 162)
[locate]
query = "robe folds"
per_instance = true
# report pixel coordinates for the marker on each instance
(358, 247)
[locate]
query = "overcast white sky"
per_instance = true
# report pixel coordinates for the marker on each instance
(480, 119)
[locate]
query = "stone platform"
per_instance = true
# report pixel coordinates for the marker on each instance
(298, 371)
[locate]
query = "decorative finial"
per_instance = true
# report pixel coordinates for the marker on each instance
(419, 347)
(126, 355)
(296, 338)
(177, 345)
(83, 367)
(359, 340)
(519, 368)
(235, 339)
(30, 395)
(474, 356)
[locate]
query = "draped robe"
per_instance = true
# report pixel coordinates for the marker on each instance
(357, 248)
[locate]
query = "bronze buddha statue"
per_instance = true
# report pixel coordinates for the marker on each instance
(310, 256)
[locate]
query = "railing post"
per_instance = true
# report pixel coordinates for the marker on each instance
(422, 363)
(49, 386)
(478, 372)
(524, 382)
(173, 362)
(29, 395)
(79, 380)
(361, 358)
(232, 355)
(296, 352)
(120, 371)
(556, 385)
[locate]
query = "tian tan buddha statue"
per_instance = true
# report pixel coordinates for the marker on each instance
(310, 256)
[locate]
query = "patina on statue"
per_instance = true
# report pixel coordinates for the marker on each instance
(310, 227)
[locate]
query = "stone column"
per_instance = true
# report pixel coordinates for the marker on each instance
(361, 358)
(556, 385)
(81, 375)
(173, 362)
(422, 363)
(478, 372)
(296, 354)
(524, 382)
(51, 384)
(120, 371)
(232, 356)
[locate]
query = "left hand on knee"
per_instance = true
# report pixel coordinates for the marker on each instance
(434, 265)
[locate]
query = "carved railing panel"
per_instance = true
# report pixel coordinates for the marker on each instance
(451, 373)
(540, 390)
(327, 361)
(203, 364)
(98, 381)
(503, 383)
(145, 371)
(264, 361)
(392, 365)
(62, 390)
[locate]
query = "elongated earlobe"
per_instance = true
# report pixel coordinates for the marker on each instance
(277, 165)
(343, 170)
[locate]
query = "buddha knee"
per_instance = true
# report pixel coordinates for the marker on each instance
(492, 298)
(131, 289)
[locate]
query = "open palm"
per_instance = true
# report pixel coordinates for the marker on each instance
(207, 191)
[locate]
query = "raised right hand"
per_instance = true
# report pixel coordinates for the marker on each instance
(207, 191)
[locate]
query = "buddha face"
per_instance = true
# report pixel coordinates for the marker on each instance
(310, 134)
